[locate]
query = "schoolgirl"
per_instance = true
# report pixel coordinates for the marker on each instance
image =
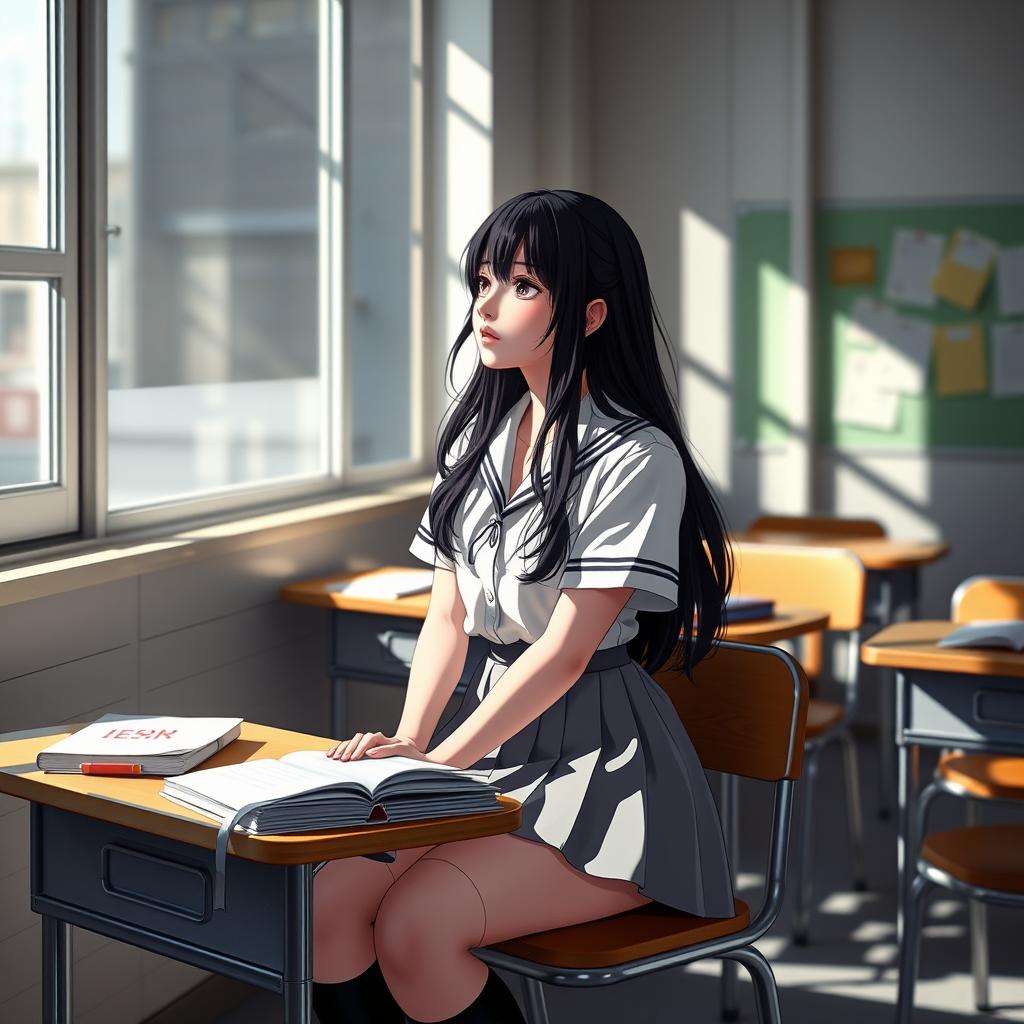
(570, 526)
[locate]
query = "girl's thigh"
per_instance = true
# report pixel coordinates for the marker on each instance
(527, 886)
(357, 884)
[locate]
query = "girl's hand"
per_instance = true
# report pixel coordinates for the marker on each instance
(366, 742)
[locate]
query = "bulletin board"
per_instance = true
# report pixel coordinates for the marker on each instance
(761, 342)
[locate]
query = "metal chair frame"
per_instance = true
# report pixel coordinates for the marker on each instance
(737, 946)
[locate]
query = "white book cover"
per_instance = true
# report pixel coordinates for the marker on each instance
(133, 736)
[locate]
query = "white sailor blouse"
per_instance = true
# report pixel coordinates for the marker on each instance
(623, 520)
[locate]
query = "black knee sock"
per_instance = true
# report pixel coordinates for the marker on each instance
(362, 1000)
(494, 1005)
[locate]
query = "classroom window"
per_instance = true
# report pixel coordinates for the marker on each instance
(38, 274)
(250, 172)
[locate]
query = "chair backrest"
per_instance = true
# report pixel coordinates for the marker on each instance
(812, 577)
(745, 711)
(832, 526)
(988, 597)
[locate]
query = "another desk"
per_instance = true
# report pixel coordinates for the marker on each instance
(893, 569)
(945, 697)
(109, 854)
(375, 639)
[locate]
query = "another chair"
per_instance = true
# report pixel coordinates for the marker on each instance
(832, 579)
(978, 777)
(745, 713)
(823, 526)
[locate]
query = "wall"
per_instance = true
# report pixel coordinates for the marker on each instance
(692, 112)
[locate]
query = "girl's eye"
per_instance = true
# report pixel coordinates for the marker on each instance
(481, 283)
(526, 284)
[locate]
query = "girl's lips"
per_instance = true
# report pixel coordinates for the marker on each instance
(487, 336)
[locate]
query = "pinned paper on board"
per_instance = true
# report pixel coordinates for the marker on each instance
(903, 343)
(960, 359)
(913, 263)
(1010, 280)
(862, 401)
(1007, 359)
(965, 269)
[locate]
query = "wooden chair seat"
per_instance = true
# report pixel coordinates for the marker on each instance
(983, 855)
(984, 775)
(823, 715)
(638, 933)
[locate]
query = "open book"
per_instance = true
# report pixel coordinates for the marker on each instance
(306, 790)
(987, 633)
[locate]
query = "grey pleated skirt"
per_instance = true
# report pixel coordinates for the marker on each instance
(608, 775)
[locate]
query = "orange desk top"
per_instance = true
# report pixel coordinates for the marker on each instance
(787, 622)
(137, 803)
(877, 553)
(911, 645)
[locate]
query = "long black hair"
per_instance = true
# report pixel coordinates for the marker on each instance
(581, 250)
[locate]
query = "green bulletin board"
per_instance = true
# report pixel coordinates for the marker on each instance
(761, 272)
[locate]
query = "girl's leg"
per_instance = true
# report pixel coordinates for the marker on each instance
(476, 892)
(346, 895)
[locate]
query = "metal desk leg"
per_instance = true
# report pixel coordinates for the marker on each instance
(731, 827)
(909, 784)
(886, 698)
(298, 937)
(56, 971)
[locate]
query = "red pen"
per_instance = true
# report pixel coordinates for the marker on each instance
(99, 768)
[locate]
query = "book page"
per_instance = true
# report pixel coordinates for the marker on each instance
(235, 785)
(368, 771)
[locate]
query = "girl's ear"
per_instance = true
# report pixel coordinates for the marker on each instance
(597, 310)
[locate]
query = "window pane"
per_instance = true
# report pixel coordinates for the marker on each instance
(25, 365)
(213, 305)
(381, 241)
(24, 164)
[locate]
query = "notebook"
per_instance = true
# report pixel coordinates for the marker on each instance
(125, 744)
(305, 790)
(987, 633)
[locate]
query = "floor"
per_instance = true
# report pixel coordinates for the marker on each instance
(847, 973)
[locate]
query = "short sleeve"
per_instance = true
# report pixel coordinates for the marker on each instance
(630, 535)
(422, 545)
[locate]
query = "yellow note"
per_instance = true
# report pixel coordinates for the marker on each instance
(960, 359)
(965, 269)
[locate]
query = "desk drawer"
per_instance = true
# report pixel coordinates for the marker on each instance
(974, 710)
(380, 647)
(159, 885)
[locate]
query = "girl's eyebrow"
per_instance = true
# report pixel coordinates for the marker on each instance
(518, 263)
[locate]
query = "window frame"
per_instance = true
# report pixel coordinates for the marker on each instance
(51, 508)
(85, 506)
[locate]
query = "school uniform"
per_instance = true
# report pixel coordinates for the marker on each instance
(607, 773)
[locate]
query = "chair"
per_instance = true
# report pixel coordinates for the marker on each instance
(745, 713)
(978, 777)
(825, 526)
(832, 579)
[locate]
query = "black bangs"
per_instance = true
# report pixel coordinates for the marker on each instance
(530, 220)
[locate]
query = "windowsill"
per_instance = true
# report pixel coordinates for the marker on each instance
(88, 563)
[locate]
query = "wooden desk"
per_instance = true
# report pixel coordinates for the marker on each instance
(375, 639)
(893, 576)
(972, 699)
(111, 855)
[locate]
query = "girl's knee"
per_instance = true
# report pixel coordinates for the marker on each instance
(434, 906)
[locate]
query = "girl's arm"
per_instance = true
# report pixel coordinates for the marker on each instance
(437, 661)
(539, 676)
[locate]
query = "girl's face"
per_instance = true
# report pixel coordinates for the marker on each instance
(515, 315)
